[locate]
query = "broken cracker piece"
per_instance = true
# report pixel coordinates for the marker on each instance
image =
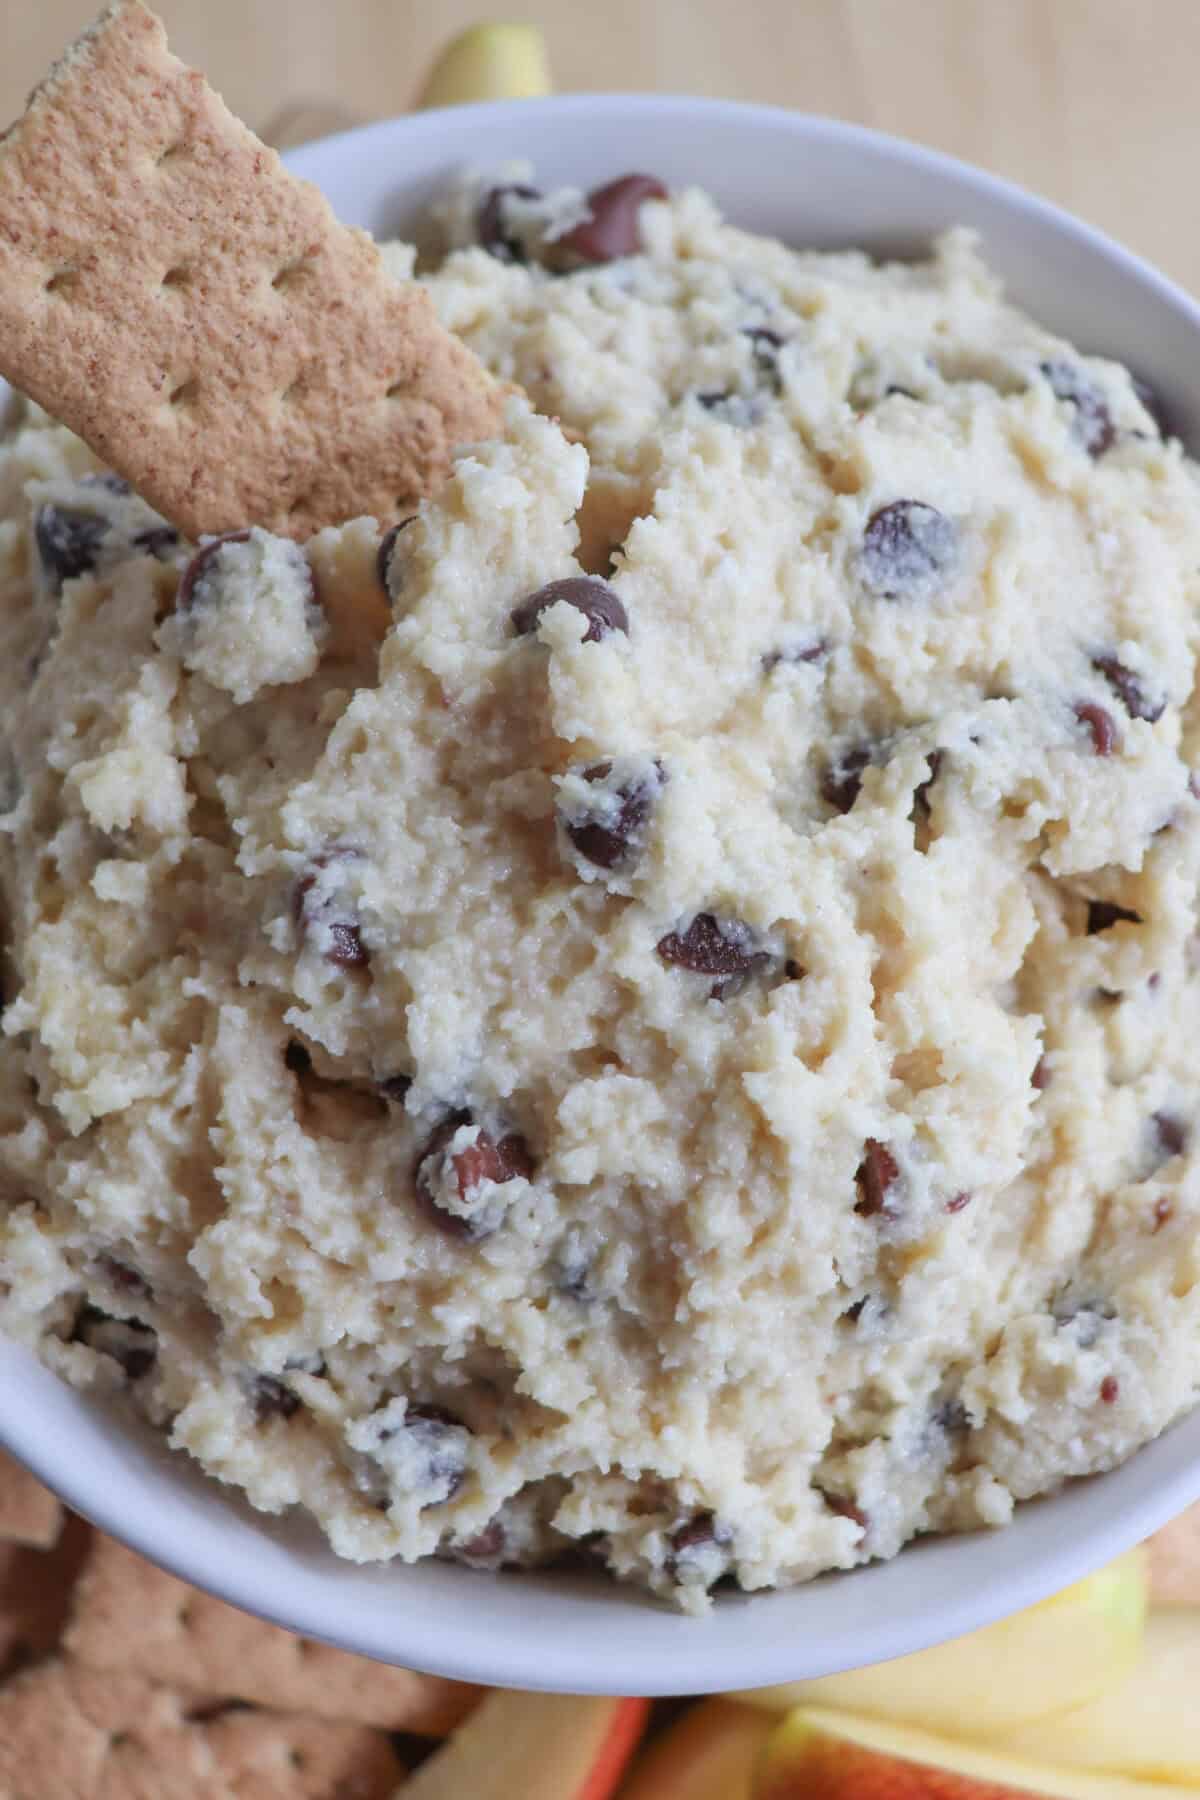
(29, 1512)
(132, 1616)
(273, 1756)
(200, 318)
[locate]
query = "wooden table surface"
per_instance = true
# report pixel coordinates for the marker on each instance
(1093, 102)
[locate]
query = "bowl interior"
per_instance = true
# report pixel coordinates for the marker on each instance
(812, 182)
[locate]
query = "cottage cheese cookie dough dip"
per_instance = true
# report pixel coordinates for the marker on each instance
(648, 1010)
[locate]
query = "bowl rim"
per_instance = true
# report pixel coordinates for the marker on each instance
(448, 1645)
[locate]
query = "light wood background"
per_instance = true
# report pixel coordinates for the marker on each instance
(1093, 102)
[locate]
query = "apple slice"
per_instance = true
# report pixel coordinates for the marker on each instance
(1058, 1654)
(1149, 1726)
(820, 1755)
(1175, 1561)
(541, 1746)
(708, 1755)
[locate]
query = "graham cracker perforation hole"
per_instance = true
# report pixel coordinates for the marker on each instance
(290, 275)
(397, 390)
(185, 393)
(172, 152)
(177, 278)
(62, 281)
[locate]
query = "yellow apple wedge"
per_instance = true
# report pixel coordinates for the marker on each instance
(710, 1754)
(1175, 1561)
(822, 1755)
(1058, 1654)
(489, 62)
(1149, 1726)
(540, 1746)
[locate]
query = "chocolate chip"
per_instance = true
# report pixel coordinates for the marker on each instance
(765, 346)
(488, 1160)
(1110, 1389)
(1100, 725)
(159, 541)
(1042, 1074)
(598, 603)
(1102, 915)
(383, 558)
(199, 585)
(69, 542)
(612, 229)
(1172, 1133)
(712, 946)
(322, 912)
(441, 1439)
(711, 398)
(395, 1087)
(273, 1399)
(697, 1551)
(952, 1417)
(297, 1059)
(813, 651)
(1093, 422)
(877, 1174)
(908, 548)
(124, 1279)
(129, 1343)
(1129, 690)
(853, 1312)
(613, 834)
(492, 226)
(844, 1508)
(841, 781)
(1088, 1317)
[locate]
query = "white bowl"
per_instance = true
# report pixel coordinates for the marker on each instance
(811, 181)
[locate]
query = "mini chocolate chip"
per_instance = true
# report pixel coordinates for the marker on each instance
(1100, 725)
(487, 1547)
(1102, 915)
(442, 1439)
(908, 548)
(599, 604)
(813, 652)
(614, 836)
(273, 1399)
(841, 781)
(488, 1159)
(876, 1175)
(69, 542)
(1093, 422)
(958, 1203)
(492, 227)
(844, 1508)
(1110, 1389)
(1172, 1133)
(853, 1312)
(158, 541)
(394, 1087)
(698, 1550)
(1129, 690)
(129, 1343)
(383, 557)
(1042, 1074)
(711, 398)
(199, 583)
(612, 230)
(1089, 1317)
(319, 910)
(1164, 1211)
(297, 1059)
(952, 1417)
(712, 946)
(124, 1279)
(921, 805)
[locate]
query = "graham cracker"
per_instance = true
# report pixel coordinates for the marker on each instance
(131, 1616)
(198, 315)
(29, 1512)
(271, 1756)
(1175, 1561)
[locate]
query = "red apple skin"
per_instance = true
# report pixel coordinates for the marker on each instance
(624, 1736)
(828, 1768)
